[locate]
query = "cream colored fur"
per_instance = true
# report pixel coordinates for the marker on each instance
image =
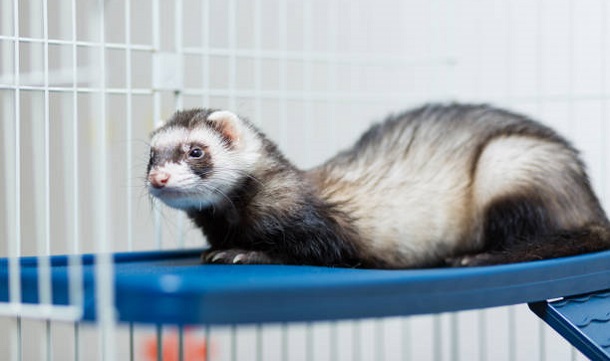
(415, 199)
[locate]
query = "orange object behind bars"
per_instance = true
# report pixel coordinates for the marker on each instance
(193, 348)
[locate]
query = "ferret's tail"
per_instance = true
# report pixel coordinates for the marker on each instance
(589, 239)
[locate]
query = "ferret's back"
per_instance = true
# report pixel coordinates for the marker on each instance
(418, 184)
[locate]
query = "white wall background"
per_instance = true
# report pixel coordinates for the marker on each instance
(313, 75)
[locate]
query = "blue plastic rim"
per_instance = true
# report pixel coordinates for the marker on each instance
(173, 287)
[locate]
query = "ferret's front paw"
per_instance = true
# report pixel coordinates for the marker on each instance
(235, 256)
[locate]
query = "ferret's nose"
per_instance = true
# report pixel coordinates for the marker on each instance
(158, 179)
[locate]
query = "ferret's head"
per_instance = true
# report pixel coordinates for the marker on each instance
(199, 156)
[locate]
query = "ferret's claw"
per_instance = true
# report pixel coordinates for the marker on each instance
(218, 256)
(236, 256)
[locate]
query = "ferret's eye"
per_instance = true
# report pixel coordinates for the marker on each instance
(196, 153)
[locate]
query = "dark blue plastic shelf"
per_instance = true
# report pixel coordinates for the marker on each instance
(582, 320)
(172, 287)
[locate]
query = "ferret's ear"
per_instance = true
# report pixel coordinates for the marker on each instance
(156, 127)
(228, 124)
(159, 125)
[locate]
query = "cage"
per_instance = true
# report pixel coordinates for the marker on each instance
(82, 84)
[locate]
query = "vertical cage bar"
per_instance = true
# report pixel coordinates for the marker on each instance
(259, 342)
(257, 119)
(542, 339)
(77, 341)
(433, 12)
(132, 354)
(206, 339)
(604, 106)
(14, 242)
(129, 155)
(508, 92)
(283, 76)
(307, 74)
(17, 343)
(14, 245)
(178, 104)
(282, 41)
(571, 74)
(180, 343)
(380, 339)
(129, 127)
(481, 314)
(437, 336)
(571, 63)
(309, 342)
(104, 272)
(512, 334)
(332, 21)
(49, 344)
(205, 59)
(44, 247)
(232, 56)
(178, 42)
(356, 340)
(454, 326)
(156, 32)
(232, 41)
(334, 340)
(407, 339)
(355, 18)
(284, 342)
(483, 339)
(159, 342)
(76, 288)
(257, 61)
(331, 64)
(509, 50)
(233, 345)
(539, 58)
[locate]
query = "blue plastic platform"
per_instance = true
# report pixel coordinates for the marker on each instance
(172, 287)
(582, 320)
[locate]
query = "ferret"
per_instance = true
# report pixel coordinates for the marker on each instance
(440, 185)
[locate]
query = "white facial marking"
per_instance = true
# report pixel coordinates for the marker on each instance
(169, 138)
(184, 189)
(180, 177)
